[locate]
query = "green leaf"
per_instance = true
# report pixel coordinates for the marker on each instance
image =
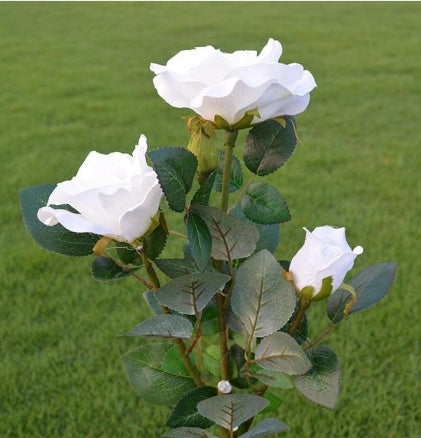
(143, 367)
(336, 305)
(176, 168)
(154, 243)
(191, 293)
(236, 179)
(266, 427)
(203, 193)
(56, 238)
(269, 234)
(174, 268)
(173, 363)
(200, 240)
(371, 284)
(186, 414)
(280, 352)
(231, 238)
(322, 383)
(127, 253)
(229, 411)
(273, 378)
(269, 144)
(105, 269)
(188, 432)
(212, 360)
(274, 402)
(262, 299)
(164, 326)
(152, 301)
(262, 203)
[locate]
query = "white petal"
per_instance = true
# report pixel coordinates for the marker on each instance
(271, 52)
(134, 223)
(71, 221)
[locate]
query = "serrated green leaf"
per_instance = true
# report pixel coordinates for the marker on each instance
(143, 367)
(262, 203)
(152, 302)
(186, 414)
(231, 238)
(188, 432)
(56, 238)
(127, 253)
(106, 269)
(203, 193)
(269, 234)
(236, 178)
(336, 305)
(322, 383)
(269, 144)
(371, 284)
(154, 243)
(266, 427)
(174, 268)
(191, 293)
(273, 378)
(229, 411)
(164, 326)
(280, 352)
(262, 299)
(176, 168)
(200, 240)
(173, 363)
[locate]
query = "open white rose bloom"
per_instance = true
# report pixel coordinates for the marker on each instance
(212, 83)
(325, 253)
(115, 195)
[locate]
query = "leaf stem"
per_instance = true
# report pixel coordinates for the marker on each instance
(242, 192)
(177, 234)
(223, 345)
(180, 344)
(230, 137)
(303, 306)
(324, 333)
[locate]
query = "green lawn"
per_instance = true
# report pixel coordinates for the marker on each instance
(75, 77)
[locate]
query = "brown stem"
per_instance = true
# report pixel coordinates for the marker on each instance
(303, 306)
(223, 346)
(180, 344)
(324, 333)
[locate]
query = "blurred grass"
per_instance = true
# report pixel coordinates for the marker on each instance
(74, 77)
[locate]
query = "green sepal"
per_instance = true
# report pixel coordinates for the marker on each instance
(325, 290)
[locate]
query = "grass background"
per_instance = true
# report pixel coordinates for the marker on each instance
(74, 77)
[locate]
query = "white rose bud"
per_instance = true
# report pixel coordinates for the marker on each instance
(115, 195)
(325, 253)
(213, 83)
(224, 387)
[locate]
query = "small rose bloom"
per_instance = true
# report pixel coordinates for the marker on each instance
(325, 253)
(115, 195)
(211, 83)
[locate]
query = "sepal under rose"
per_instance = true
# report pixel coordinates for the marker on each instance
(114, 195)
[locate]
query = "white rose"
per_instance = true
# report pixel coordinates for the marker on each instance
(115, 195)
(325, 253)
(212, 83)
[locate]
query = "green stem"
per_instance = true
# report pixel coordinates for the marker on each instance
(230, 137)
(194, 374)
(223, 345)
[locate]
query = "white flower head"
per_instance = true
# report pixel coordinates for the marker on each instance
(114, 195)
(213, 83)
